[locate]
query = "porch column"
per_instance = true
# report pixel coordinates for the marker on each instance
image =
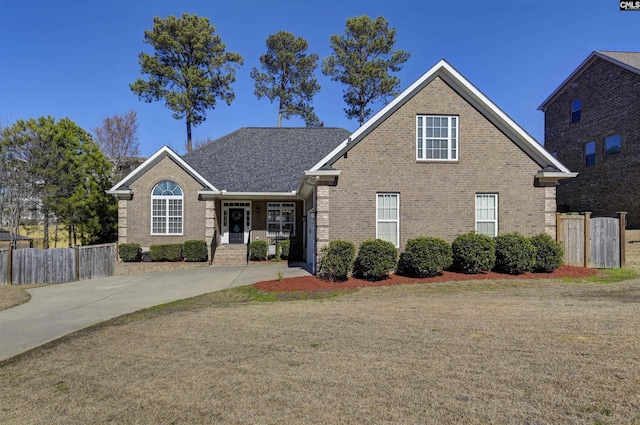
(322, 218)
(550, 207)
(210, 224)
(122, 221)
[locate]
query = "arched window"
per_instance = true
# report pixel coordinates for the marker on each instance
(166, 209)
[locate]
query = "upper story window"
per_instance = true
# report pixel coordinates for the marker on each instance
(281, 219)
(612, 145)
(166, 209)
(590, 153)
(437, 138)
(576, 107)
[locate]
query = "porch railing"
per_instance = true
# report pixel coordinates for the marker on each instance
(273, 238)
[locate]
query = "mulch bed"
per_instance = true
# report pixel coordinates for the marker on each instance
(312, 283)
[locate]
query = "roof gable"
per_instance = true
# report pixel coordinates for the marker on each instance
(627, 60)
(472, 95)
(122, 187)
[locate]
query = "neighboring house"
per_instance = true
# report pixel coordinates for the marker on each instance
(592, 124)
(20, 241)
(439, 160)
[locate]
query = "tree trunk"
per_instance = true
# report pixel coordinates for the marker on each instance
(45, 236)
(189, 144)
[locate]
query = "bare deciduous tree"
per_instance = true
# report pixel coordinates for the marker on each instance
(118, 139)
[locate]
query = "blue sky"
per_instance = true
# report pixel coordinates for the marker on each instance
(76, 59)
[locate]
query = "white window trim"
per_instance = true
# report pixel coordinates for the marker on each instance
(497, 213)
(226, 205)
(271, 206)
(166, 199)
(449, 138)
(397, 220)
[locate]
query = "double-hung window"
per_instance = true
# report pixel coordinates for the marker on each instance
(166, 209)
(388, 217)
(281, 219)
(590, 153)
(487, 214)
(576, 108)
(437, 138)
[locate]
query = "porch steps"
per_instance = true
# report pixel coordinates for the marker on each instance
(231, 255)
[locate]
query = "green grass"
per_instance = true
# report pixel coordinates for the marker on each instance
(254, 294)
(607, 276)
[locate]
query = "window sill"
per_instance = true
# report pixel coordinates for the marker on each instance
(438, 161)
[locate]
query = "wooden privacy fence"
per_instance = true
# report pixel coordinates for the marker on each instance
(597, 242)
(32, 265)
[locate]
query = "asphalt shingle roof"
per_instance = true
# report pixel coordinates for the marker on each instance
(631, 59)
(258, 159)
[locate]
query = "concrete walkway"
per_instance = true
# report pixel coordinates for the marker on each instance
(57, 310)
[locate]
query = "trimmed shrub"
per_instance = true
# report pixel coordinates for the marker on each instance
(473, 253)
(549, 253)
(285, 247)
(337, 260)
(375, 259)
(166, 252)
(258, 250)
(515, 253)
(195, 250)
(425, 257)
(130, 252)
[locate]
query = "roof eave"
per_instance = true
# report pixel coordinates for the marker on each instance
(554, 176)
(256, 195)
(579, 70)
(154, 159)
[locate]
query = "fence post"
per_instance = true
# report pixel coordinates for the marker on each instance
(77, 250)
(10, 266)
(587, 238)
(622, 216)
(559, 227)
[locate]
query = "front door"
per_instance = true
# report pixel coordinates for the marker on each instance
(236, 225)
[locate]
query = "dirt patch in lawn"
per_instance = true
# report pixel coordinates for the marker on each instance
(11, 295)
(530, 351)
(312, 283)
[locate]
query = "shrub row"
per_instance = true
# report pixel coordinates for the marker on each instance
(193, 250)
(285, 250)
(424, 257)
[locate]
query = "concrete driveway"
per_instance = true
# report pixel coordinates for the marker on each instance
(57, 310)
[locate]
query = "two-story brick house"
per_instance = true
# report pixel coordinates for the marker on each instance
(439, 160)
(592, 125)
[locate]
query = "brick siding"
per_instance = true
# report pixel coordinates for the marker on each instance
(610, 98)
(436, 198)
(198, 216)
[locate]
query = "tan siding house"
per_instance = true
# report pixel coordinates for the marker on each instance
(439, 160)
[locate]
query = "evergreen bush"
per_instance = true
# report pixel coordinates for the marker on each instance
(166, 252)
(375, 259)
(473, 253)
(515, 254)
(425, 257)
(258, 250)
(337, 260)
(130, 252)
(549, 253)
(195, 250)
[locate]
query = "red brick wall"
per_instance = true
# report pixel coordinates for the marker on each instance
(610, 98)
(436, 199)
